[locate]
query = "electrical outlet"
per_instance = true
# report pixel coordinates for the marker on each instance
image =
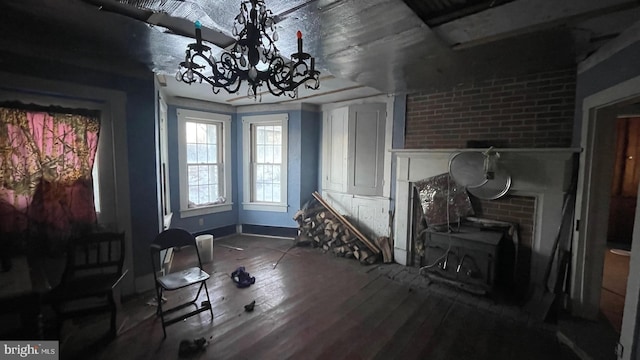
(200, 222)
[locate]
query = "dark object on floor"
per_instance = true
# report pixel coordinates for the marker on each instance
(241, 278)
(191, 347)
(91, 279)
(249, 307)
(196, 276)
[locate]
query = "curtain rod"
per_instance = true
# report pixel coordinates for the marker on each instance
(49, 109)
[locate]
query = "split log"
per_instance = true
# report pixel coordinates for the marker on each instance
(364, 255)
(318, 230)
(320, 226)
(347, 224)
(298, 215)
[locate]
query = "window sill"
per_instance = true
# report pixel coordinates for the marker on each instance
(265, 207)
(204, 210)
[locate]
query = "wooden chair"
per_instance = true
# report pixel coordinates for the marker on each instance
(91, 280)
(170, 281)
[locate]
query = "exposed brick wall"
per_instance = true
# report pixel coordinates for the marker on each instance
(534, 110)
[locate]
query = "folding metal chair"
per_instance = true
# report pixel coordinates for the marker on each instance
(164, 243)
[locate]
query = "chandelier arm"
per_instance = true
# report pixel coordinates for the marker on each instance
(295, 84)
(273, 89)
(286, 79)
(254, 49)
(227, 72)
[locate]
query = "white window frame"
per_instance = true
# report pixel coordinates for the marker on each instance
(165, 188)
(248, 177)
(185, 116)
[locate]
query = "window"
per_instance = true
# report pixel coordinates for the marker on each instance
(96, 184)
(205, 162)
(265, 162)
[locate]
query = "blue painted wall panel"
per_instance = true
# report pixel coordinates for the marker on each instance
(141, 146)
(619, 67)
(301, 139)
(311, 133)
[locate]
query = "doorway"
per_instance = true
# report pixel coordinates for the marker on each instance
(600, 113)
(624, 192)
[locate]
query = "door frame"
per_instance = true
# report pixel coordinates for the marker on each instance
(592, 209)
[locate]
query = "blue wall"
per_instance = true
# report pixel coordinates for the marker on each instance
(302, 170)
(142, 147)
(303, 155)
(619, 67)
(209, 221)
(311, 134)
(141, 143)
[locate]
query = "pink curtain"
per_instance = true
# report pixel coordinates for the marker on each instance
(45, 166)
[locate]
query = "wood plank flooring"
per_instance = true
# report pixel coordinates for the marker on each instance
(316, 306)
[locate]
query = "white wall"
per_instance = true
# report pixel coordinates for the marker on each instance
(369, 213)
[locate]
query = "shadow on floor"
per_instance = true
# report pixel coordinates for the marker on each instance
(332, 308)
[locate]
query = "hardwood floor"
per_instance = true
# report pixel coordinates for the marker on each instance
(614, 287)
(317, 306)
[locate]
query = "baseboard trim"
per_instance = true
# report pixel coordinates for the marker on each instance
(280, 232)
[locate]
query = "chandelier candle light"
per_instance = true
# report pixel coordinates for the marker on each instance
(254, 58)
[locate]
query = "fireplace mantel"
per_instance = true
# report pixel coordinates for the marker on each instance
(544, 174)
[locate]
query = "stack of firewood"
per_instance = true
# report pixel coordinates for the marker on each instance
(321, 226)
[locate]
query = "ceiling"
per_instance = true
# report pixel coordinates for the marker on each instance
(362, 47)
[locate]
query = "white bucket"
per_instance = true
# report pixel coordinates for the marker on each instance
(205, 247)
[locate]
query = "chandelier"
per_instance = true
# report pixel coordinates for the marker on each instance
(253, 58)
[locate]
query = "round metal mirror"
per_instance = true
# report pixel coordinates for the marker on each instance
(493, 188)
(467, 169)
